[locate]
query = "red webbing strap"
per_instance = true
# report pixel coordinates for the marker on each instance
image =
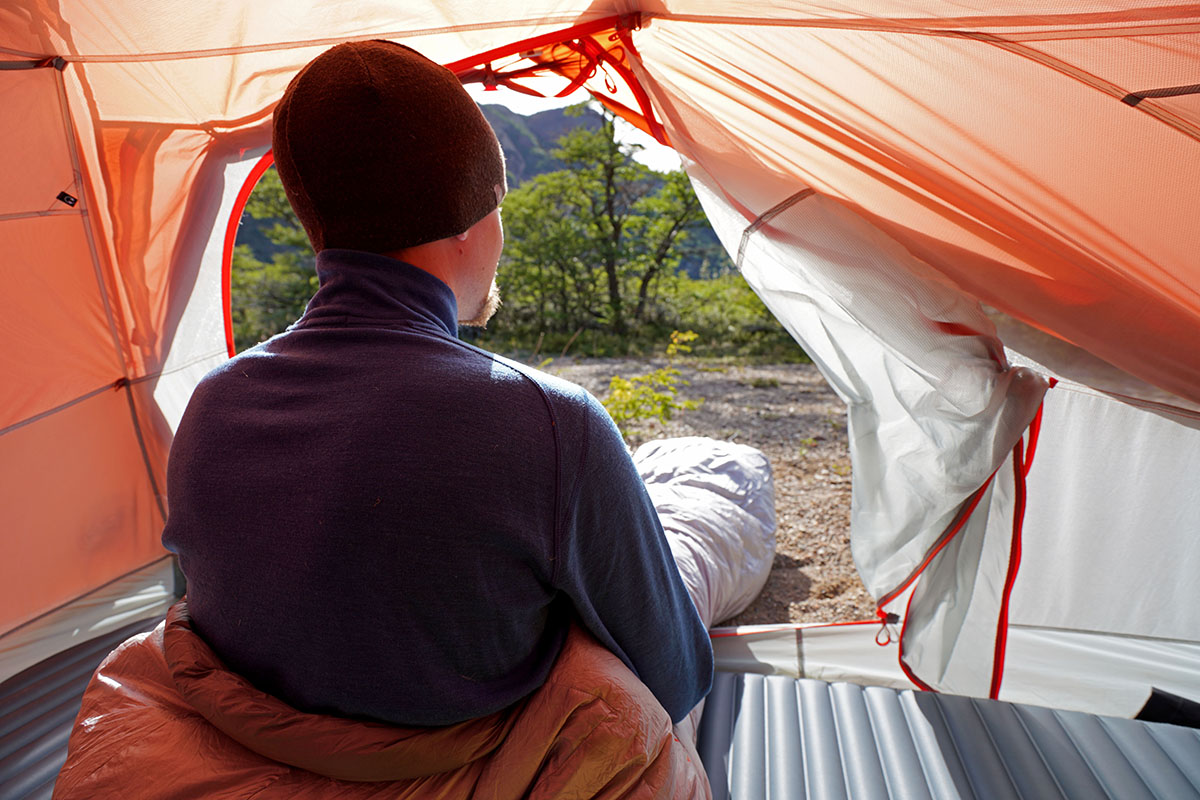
(656, 129)
(231, 229)
(534, 43)
(580, 39)
(584, 74)
(1022, 463)
(1020, 470)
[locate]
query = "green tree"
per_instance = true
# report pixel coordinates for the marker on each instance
(592, 261)
(267, 296)
(588, 244)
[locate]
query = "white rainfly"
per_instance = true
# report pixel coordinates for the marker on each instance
(978, 219)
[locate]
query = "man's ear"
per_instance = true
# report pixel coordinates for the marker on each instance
(462, 237)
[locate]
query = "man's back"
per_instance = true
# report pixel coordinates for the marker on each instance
(377, 520)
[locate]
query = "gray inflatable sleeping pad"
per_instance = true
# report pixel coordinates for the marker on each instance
(38, 708)
(773, 737)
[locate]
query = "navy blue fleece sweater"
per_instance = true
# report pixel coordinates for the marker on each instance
(380, 521)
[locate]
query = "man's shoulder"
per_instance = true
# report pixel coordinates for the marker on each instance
(584, 424)
(559, 392)
(236, 369)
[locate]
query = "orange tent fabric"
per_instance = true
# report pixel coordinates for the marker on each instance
(1037, 160)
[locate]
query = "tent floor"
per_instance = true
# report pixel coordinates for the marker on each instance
(769, 737)
(777, 737)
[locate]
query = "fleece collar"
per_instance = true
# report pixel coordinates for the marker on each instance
(367, 289)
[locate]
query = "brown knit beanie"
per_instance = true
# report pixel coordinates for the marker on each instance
(380, 148)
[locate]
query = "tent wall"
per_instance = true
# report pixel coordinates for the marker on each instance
(143, 594)
(874, 206)
(79, 507)
(994, 147)
(1113, 562)
(1105, 602)
(878, 170)
(104, 361)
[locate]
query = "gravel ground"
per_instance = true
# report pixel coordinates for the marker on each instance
(791, 414)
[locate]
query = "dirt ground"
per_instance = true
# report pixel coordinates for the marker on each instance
(791, 414)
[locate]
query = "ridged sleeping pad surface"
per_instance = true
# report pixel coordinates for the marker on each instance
(777, 738)
(37, 709)
(770, 738)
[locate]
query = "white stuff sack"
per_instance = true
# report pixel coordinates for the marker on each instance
(716, 501)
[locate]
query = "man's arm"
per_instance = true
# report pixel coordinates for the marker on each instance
(614, 563)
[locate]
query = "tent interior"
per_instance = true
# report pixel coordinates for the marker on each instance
(978, 219)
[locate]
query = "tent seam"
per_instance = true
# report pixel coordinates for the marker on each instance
(92, 591)
(149, 376)
(141, 440)
(89, 233)
(86, 219)
(106, 387)
(50, 212)
(1031, 627)
(217, 52)
(51, 411)
(1086, 78)
(870, 25)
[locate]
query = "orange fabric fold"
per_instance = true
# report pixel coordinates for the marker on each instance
(163, 717)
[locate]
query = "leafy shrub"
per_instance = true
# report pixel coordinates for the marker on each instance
(652, 395)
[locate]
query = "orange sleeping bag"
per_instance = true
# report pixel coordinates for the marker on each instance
(163, 717)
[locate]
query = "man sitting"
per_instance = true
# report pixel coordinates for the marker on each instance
(383, 526)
